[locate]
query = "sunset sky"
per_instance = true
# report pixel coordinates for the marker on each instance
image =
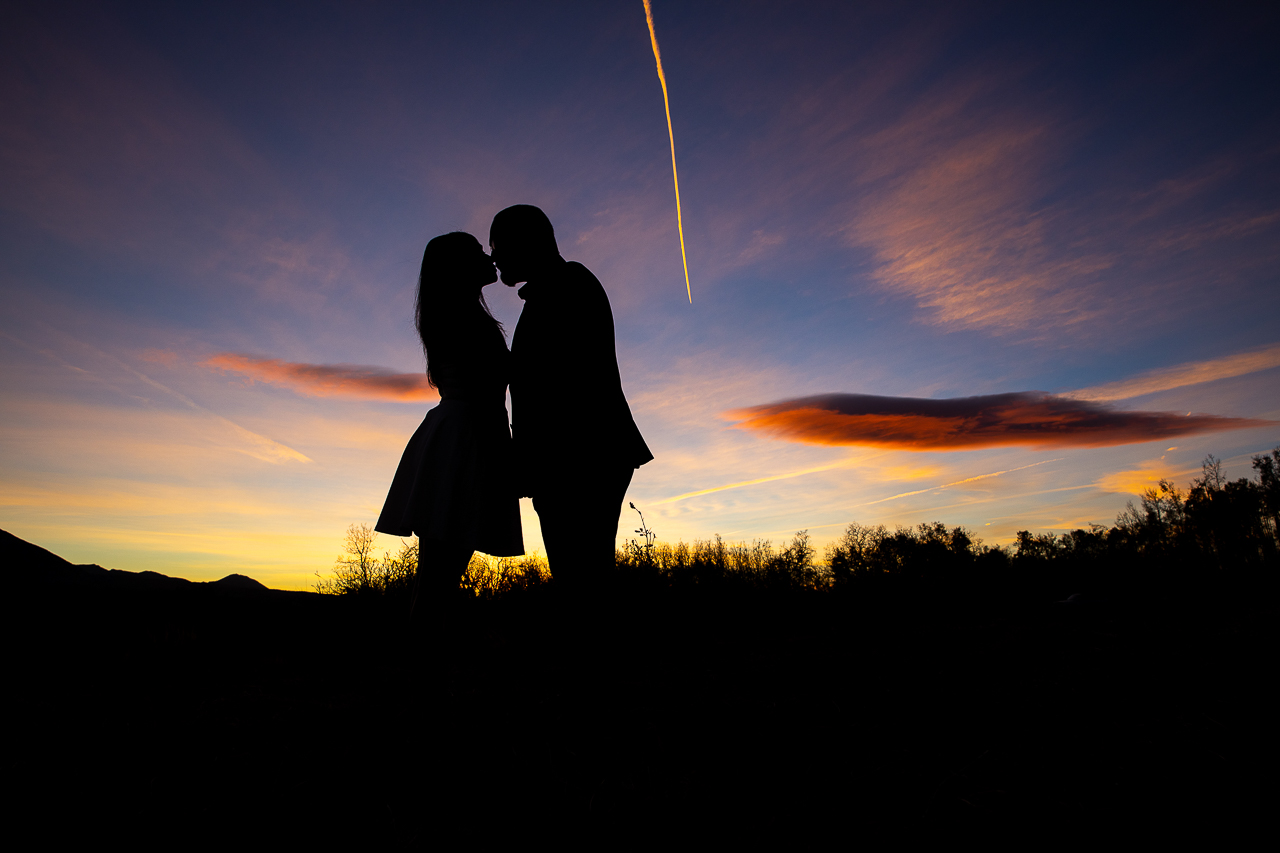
(212, 219)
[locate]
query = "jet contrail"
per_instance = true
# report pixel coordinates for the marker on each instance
(675, 176)
(957, 483)
(844, 463)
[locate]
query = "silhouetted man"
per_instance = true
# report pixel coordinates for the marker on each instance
(575, 439)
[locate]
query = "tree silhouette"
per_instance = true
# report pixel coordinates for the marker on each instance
(1268, 468)
(359, 571)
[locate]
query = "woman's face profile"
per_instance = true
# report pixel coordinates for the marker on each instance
(473, 267)
(485, 269)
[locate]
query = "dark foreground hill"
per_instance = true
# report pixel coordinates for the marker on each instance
(177, 712)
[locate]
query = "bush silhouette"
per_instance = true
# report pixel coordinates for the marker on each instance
(1218, 526)
(494, 577)
(360, 572)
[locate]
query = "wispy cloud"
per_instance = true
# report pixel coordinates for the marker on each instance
(1191, 373)
(968, 198)
(952, 221)
(329, 380)
(969, 211)
(966, 423)
(242, 440)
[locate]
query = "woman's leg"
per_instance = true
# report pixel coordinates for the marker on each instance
(441, 566)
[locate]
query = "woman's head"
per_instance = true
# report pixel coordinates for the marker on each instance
(450, 301)
(455, 267)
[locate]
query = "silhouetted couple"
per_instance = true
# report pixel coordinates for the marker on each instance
(572, 444)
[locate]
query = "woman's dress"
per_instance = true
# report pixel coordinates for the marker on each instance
(454, 483)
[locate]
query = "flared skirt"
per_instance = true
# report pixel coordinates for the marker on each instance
(455, 483)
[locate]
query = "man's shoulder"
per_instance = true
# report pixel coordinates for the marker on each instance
(576, 273)
(581, 284)
(576, 268)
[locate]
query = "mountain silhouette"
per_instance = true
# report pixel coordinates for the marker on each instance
(28, 566)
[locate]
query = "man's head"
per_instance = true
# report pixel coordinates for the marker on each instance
(522, 241)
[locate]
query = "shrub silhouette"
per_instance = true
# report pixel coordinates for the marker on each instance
(716, 563)
(1217, 526)
(494, 577)
(360, 572)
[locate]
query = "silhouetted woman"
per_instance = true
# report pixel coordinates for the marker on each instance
(453, 485)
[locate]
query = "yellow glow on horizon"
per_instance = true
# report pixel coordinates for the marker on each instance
(675, 176)
(199, 553)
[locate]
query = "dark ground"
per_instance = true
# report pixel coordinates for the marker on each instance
(183, 712)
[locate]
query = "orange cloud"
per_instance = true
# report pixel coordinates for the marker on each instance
(1137, 481)
(330, 380)
(968, 423)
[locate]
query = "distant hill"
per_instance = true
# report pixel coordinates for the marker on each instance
(24, 564)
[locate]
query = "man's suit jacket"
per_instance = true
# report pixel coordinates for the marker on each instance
(568, 412)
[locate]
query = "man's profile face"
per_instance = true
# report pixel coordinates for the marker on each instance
(510, 268)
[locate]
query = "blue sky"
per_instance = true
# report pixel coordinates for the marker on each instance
(924, 201)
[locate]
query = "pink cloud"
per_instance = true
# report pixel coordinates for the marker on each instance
(330, 380)
(1190, 373)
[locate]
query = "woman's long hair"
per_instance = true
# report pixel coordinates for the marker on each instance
(448, 312)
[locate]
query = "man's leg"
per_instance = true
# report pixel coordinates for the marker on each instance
(579, 521)
(613, 491)
(556, 519)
